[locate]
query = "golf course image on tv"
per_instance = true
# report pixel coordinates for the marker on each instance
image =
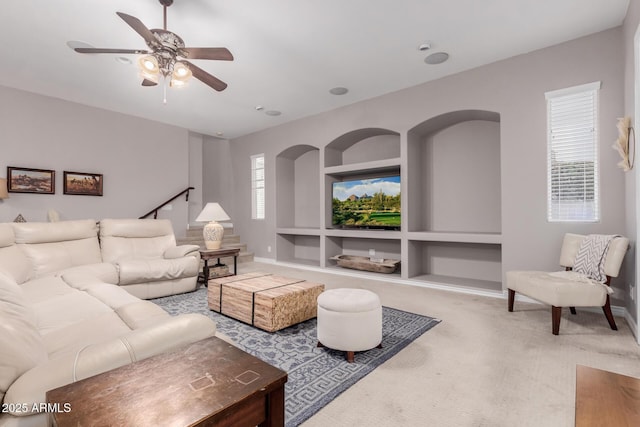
(367, 203)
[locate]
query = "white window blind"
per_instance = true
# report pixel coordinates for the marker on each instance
(257, 186)
(572, 154)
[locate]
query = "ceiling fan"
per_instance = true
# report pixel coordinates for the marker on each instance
(167, 55)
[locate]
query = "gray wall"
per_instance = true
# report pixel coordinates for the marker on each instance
(631, 23)
(514, 89)
(144, 163)
(218, 174)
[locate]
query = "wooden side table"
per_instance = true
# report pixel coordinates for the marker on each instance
(210, 382)
(605, 398)
(207, 254)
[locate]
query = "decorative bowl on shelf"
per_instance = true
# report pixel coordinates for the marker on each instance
(364, 263)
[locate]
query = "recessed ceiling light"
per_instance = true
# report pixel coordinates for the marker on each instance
(436, 58)
(273, 113)
(219, 133)
(259, 108)
(424, 46)
(123, 60)
(338, 90)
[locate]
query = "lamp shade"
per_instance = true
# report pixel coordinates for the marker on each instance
(3, 189)
(212, 212)
(213, 232)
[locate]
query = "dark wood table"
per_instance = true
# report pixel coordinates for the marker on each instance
(605, 399)
(207, 254)
(206, 383)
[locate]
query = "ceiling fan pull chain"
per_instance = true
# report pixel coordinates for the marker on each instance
(164, 89)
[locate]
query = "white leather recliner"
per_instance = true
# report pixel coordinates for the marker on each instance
(149, 263)
(567, 289)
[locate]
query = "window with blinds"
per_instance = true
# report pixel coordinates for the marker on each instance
(572, 154)
(257, 186)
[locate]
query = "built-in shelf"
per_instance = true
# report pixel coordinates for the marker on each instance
(366, 274)
(300, 248)
(386, 165)
(300, 261)
(298, 231)
(451, 203)
(460, 237)
(363, 234)
(462, 282)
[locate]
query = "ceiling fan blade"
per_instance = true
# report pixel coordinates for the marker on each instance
(219, 53)
(206, 78)
(139, 28)
(98, 50)
(147, 82)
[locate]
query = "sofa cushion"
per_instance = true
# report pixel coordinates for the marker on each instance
(135, 238)
(21, 346)
(13, 262)
(73, 337)
(71, 308)
(44, 288)
(150, 270)
(55, 246)
(83, 275)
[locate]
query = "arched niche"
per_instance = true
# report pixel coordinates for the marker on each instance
(362, 145)
(454, 173)
(298, 187)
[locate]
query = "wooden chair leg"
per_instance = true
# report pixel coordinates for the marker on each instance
(512, 297)
(607, 312)
(573, 310)
(350, 356)
(556, 313)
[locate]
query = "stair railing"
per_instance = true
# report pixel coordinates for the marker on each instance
(155, 211)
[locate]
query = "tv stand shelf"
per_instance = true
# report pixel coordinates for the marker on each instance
(363, 233)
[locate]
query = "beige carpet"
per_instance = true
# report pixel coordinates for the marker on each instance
(482, 366)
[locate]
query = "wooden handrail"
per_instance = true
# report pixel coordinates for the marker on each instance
(155, 211)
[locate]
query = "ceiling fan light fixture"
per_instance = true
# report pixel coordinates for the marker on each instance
(181, 74)
(149, 70)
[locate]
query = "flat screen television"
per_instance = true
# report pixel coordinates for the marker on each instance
(367, 203)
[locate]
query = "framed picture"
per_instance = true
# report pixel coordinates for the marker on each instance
(82, 183)
(27, 180)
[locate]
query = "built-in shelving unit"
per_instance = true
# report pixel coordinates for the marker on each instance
(298, 205)
(451, 202)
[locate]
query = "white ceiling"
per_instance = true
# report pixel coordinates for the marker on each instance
(288, 53)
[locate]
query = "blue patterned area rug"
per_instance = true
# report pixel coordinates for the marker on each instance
(316, 376)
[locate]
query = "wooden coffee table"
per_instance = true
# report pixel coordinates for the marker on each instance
(207, 383)
(266, 301)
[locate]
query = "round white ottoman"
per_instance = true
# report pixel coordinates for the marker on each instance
(349, 320)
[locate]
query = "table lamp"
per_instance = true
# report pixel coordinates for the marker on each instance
(212, 231)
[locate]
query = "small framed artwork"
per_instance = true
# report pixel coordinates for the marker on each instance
(28, 180)
(82, 183)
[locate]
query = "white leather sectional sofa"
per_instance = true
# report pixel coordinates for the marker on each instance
(71, 307)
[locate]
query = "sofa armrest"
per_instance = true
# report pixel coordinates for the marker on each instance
(162, 337)
(182, 251)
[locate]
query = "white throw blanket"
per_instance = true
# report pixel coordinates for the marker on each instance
(591, 256)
